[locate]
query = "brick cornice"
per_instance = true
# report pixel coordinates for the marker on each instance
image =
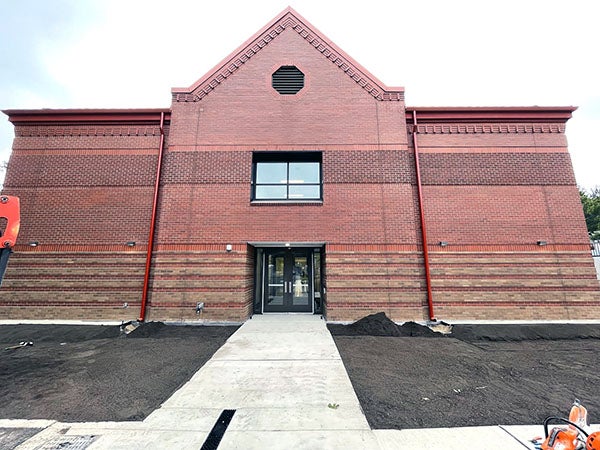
(288, 19)
(52, 130)
(486, 128)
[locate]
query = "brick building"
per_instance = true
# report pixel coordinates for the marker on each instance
(291, 179)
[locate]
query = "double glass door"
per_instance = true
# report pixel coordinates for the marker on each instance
(288, 275)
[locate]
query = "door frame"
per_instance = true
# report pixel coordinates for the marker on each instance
(259, 250)
(289, 254)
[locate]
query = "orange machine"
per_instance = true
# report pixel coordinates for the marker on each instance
(10, 211)
(573, 437)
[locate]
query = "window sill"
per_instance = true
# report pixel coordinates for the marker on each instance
(286, 202)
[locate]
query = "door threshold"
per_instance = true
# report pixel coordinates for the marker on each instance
(308, 313)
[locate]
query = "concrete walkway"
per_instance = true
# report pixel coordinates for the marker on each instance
(283, 376)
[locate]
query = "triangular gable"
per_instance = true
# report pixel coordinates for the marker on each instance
(287, 19)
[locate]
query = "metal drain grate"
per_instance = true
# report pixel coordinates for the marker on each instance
(216, 434)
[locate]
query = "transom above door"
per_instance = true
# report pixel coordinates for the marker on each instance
(288, 280)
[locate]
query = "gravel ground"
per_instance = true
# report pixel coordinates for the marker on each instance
(479, 375)
(96, 373)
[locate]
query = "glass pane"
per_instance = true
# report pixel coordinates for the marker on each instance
(300, 288)
(303, 172)
(269, 172)
(275, 288)
(271, 192)
(300, 191)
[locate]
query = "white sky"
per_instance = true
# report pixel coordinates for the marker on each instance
(129, 53)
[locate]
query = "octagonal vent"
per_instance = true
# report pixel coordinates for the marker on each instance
(287, 80)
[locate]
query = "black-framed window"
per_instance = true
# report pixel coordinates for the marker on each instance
(287, 176)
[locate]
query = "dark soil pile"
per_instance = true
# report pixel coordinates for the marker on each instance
(379, 324)
(414, 329)
(13, 334)
(96, 373)
(478, 375)
(526, 332)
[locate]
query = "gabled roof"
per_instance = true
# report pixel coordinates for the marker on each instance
(288, 18)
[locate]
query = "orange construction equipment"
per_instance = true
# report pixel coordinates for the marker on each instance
(572, 437)
(9, 210)
(593, 441)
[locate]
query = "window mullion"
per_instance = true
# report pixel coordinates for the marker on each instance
(288, 181)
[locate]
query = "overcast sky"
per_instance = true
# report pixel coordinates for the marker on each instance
(129, 53)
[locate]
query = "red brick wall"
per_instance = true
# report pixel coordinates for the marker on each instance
(244, 110)
(85, 191)
(492, 189)
(83, 184)
(362, 279)
(492, 192)
(550, 283)
(92, 283)
(206, 192)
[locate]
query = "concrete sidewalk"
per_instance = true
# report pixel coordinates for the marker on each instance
(283, 376)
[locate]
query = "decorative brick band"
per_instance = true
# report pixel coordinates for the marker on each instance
(75, 130)
(459, 250)
(87, 151)
(504, 128)
(491, 150)
(369, 248)
(174, 289)
(75, 250)
(508, 304)
(504, 169)
(234, 167)
(211, 305)
(71, 304)
(90, 170)
(486, 304)
(325, 48)
(400, 146)
(452, 250)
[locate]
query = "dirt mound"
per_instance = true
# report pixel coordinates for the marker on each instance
(525, 332)
(380, 325)
(414, 329)
(375, 325)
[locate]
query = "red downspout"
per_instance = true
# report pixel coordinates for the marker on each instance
(422, 214)
(153, 220)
